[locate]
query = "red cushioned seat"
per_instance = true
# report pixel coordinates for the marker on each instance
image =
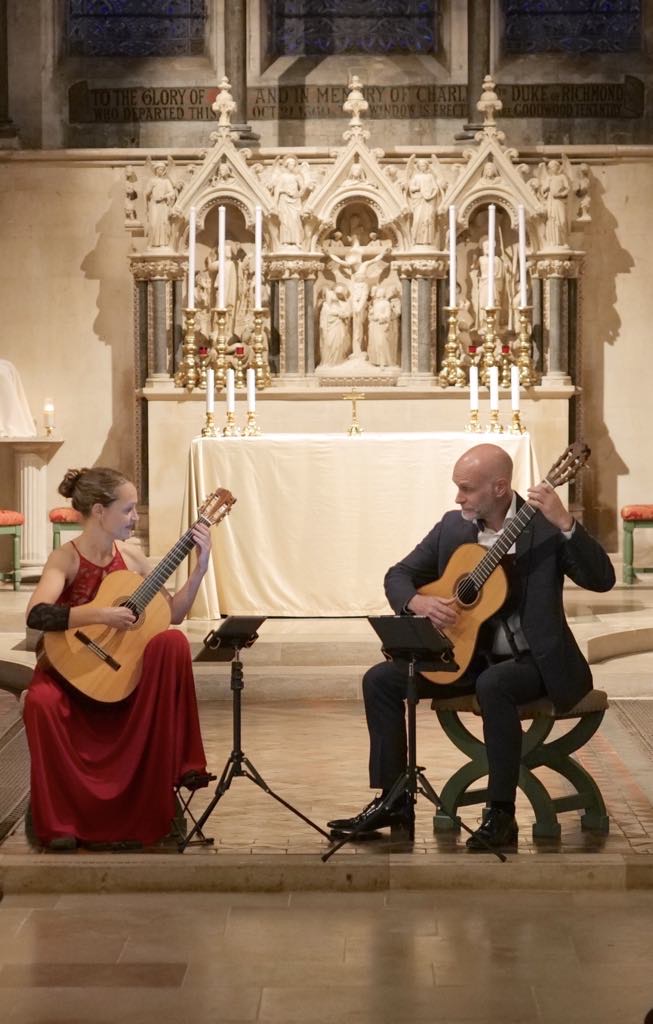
(65, 514)
(633, 512)
(10, 518)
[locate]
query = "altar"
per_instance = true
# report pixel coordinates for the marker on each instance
(321, 517)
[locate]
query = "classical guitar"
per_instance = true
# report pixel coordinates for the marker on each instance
(105, 663)
(477, 581)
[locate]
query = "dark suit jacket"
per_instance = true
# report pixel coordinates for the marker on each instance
(543, 558)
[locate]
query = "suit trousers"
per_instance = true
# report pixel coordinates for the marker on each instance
(500, 688)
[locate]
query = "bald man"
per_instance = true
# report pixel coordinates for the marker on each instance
(524, 652)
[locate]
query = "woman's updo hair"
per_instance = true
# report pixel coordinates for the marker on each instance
(88, 487)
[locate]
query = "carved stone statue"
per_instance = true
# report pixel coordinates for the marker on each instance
(379, 348)
(424, 194)
(289, 188)
(359, 273)
(231, 282)
(479, 275)
(131, 195)
(335, 335)
(554, 189)
(160, 196)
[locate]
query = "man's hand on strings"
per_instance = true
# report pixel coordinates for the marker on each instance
(440, 610)
(545, 499)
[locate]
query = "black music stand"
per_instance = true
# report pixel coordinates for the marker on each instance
(225, 644)
(411, 638)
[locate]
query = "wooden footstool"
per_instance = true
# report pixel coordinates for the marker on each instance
(634, 516)
(11, 522)
(536, 753)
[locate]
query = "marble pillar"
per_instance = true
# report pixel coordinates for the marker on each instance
(537, 335)
(405, 324)
(235, 50)
(309, 325)
(479, 15)
(557, 369)
(159, 370)
(424, 299)
(178, 296)
(291, 332)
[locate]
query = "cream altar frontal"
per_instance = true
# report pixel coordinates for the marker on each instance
(321, 517)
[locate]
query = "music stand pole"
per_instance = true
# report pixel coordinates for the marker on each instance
(412, 780)
(238, 764)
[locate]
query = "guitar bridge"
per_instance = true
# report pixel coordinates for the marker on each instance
(97, 650)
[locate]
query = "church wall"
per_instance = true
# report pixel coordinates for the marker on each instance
(66, 293)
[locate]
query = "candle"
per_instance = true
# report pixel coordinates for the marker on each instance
(191, 258)
(473, 388)
(490, 254)
(251, 390)
(231, 390)
(523, 298)
(210, 389)
(221, 244)
(494, 388)
(258, 256)
(452, 257)
(48, 413)
(514, 387)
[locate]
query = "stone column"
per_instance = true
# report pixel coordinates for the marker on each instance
(291, 325)
(8, 136)
(309, 324)
(405, 324)
(479, 13)
(235, 50)
(160, 275)
(32, 475)
(424, 300)
(537, 335)
(177, 324)
(159, 330)
(275, 331)
(557, 270)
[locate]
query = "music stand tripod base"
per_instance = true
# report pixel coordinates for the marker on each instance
(225, 644)
(415, 640)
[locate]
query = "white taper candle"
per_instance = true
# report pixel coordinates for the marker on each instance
(210, 389)
(452, 257)
(514, 388)
(491, 227)
(231, 390)
(191, 257)
(251, 390)
(258, 256)
(494, 387)
(523, 294)
(473, 388)
(221, 244)
(48, 413)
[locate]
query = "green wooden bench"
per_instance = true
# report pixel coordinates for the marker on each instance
(634, 517)
(536, 752)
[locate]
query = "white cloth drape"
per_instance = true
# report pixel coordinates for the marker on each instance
(15, 416)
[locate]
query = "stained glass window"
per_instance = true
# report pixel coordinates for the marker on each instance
(135, 28)
(572, 26)
(323, 27)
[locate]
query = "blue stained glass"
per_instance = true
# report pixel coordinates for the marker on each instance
(322, 27)
(135, 28)
(574, 26)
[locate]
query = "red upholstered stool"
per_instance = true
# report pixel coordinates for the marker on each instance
(64, 518)
(12, 523)
(634, 516)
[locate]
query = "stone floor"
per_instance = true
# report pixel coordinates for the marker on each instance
(258, 928)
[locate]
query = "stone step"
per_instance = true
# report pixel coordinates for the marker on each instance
(281, 682)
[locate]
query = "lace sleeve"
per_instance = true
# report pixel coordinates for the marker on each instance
(48, 617)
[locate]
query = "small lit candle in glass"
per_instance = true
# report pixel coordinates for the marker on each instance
(231, 390)
(258, 256)
(514, 388)
(473, 388)
(494, 388)
(48, 414)
(210, 389)
(191, 258)
(251, 390)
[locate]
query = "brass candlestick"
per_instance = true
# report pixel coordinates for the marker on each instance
(494, 427)
(208, 430)
(239, 357)
(487, 357)
(354, 396)
(251, 428)
(187, 375)
(474, 425)
(230, 429)
(524, 350)
(505, 363)
(261, 365)
(516, 427)
(452, 371)
(220, 348)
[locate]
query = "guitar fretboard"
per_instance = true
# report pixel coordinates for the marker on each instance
(152, 584)
(502, 545)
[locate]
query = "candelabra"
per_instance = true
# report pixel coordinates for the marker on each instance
(220, 348)
(505, 362)
(355, 428)
(251, 428)
(524, 350)
(188, 375)
(452, 371)
(474, 426)
(487, 357)
(239, 357)
(494, 427)
(261, 364)
(516, 427)
(230, 429)
(209, 430)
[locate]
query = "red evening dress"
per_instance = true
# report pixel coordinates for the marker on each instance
(105, 772)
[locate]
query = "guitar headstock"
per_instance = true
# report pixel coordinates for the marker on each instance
(218, 505)
(565, 468)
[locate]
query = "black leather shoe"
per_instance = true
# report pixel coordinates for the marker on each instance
(499, 829)
(371, 817)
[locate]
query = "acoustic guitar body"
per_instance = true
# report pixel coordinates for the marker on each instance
(464, 634)
(107, 680)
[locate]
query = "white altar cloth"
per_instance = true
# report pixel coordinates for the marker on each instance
(321, 517)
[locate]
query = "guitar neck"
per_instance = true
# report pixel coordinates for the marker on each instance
(152, 584)
(502, 546)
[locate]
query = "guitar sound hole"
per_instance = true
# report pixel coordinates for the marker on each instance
(133, 608)
(466, 591)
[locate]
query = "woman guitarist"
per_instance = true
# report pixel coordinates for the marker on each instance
(104, 773)
(525, 651)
